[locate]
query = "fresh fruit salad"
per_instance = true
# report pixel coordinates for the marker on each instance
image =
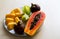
(26, 20)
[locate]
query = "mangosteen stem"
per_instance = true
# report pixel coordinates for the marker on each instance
(32, 4)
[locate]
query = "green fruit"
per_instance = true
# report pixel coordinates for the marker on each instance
(25, 17)
(26, 9)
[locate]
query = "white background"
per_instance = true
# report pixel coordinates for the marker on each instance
(51, 26)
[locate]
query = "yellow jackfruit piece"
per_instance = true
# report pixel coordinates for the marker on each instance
(16, 10)
(17, 19)
(9, 20)
(10, 15)
(10, 25)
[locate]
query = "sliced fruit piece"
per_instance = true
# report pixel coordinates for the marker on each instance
(25, 17)
(9, 20)
(35, 21)
(10, 15)
(10, 25)
(18, 15)
(26, 9)
(16, 10)
(17, 19)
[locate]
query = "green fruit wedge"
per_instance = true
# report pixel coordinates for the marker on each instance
(25, 17)
(26, 9)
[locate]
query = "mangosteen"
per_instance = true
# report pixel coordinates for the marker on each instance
(34, 7)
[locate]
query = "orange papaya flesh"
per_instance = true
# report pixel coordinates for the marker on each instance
(32, 31)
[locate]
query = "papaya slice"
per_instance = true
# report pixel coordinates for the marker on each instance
(30, 27)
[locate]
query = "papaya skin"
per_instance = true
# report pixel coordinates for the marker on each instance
(38, 24)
